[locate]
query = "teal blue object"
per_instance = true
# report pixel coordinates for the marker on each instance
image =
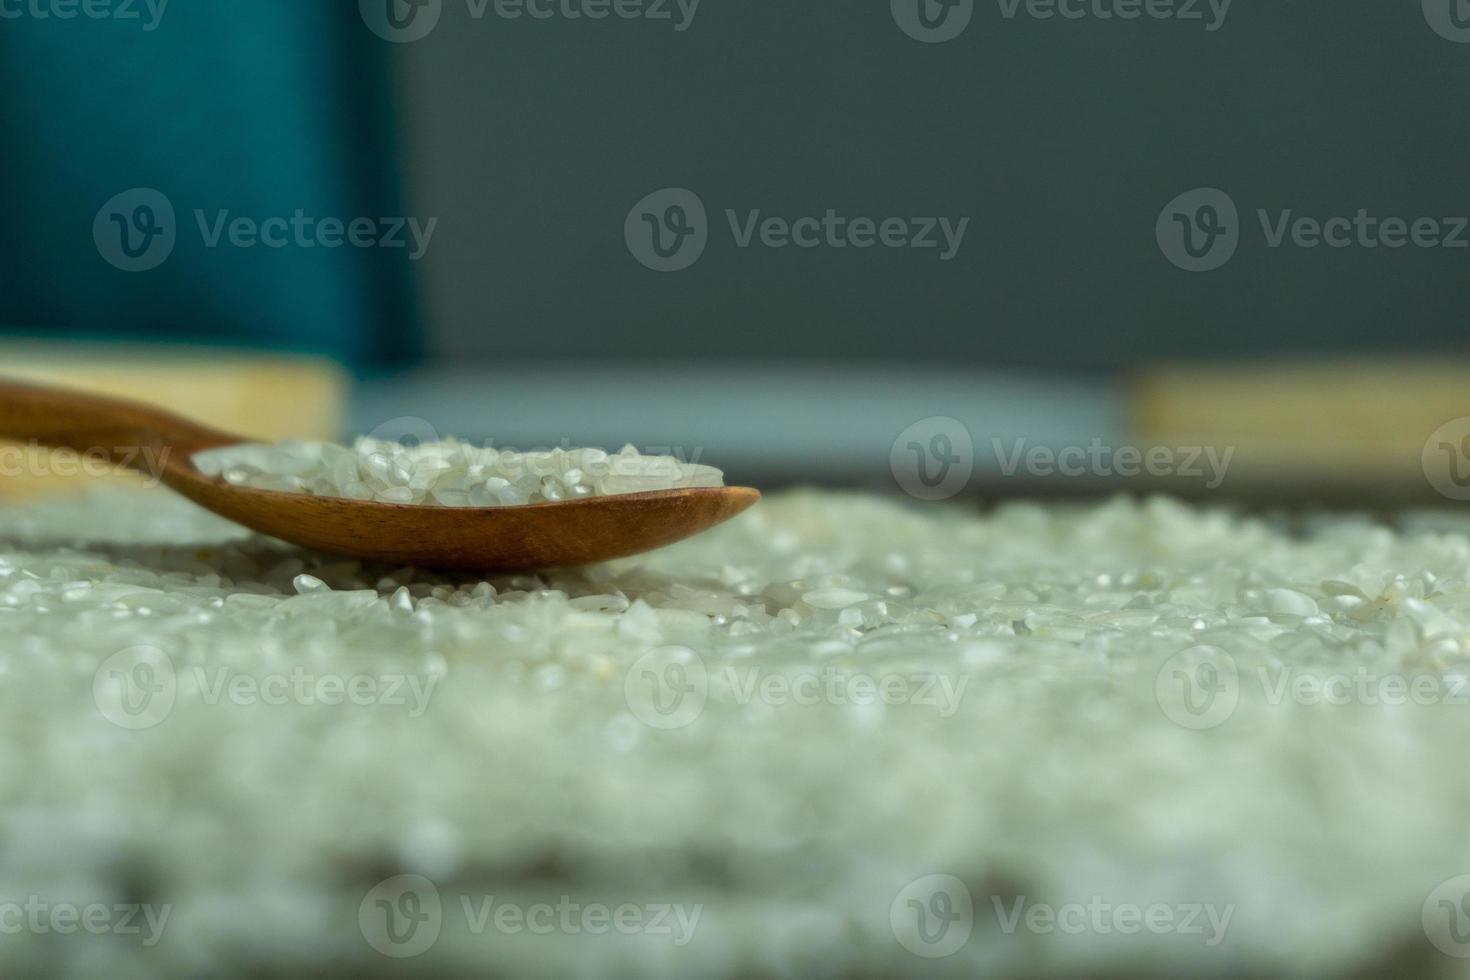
(261, 110)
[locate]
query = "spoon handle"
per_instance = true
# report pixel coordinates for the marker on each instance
(93, 424)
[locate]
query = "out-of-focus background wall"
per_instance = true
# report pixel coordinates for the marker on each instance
(552, 220)
(1061, 140)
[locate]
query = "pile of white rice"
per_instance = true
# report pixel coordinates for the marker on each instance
(839, 736)
(449, 473)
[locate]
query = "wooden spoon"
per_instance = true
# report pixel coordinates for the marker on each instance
(569, 532)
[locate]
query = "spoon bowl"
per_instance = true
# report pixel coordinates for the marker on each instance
(517, 538)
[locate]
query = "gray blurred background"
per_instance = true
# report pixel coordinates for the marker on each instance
(1060, 139)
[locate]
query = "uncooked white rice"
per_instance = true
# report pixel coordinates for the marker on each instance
(690, 731)
(450, 473)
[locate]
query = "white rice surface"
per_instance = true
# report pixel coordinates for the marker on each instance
(448, 473)
(223, 775)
